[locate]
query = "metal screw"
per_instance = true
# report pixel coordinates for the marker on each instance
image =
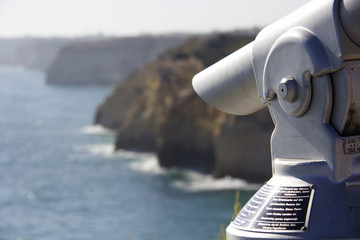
(288, 89)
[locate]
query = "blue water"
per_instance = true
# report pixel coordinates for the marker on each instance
(60, 179)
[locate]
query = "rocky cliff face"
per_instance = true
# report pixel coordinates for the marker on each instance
(107, 61)
(156, 109)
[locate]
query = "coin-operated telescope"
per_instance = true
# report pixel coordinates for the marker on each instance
(306, 69)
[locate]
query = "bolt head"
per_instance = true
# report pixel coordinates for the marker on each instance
(288, 89)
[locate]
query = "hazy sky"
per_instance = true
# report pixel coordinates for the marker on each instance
(120, 17)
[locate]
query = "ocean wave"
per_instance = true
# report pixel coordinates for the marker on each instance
(183, 179)
(107, 150)
(139, 161)
(196, 182)
(133, 155)
(97, 129)
(147, 164)
(189, 180)
(96, 149)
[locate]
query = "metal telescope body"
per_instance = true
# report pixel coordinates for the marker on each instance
(306, 69)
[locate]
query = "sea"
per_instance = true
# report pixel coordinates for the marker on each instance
(61, 179)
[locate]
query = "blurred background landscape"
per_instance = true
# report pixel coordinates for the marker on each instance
(102, 135)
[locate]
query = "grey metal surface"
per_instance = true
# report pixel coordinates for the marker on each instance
(350, 14)
(307, 70)
(346, 109)
(230, 85)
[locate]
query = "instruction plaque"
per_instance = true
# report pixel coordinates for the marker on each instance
(277, 209)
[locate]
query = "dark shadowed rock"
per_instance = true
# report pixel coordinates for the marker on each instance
(243, 145)
(195, 135)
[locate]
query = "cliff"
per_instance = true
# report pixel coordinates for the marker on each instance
(107, 61)
(156, 109)
(36, 53)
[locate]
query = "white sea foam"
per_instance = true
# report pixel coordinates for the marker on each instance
(191, 181)
(97, 149)
(97, 129)
(147, 164)
(109, 150)
(132, 155)
(196, 182)
(139, 161)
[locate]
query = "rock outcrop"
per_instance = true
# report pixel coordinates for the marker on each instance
(107, 61)
(156, 109)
